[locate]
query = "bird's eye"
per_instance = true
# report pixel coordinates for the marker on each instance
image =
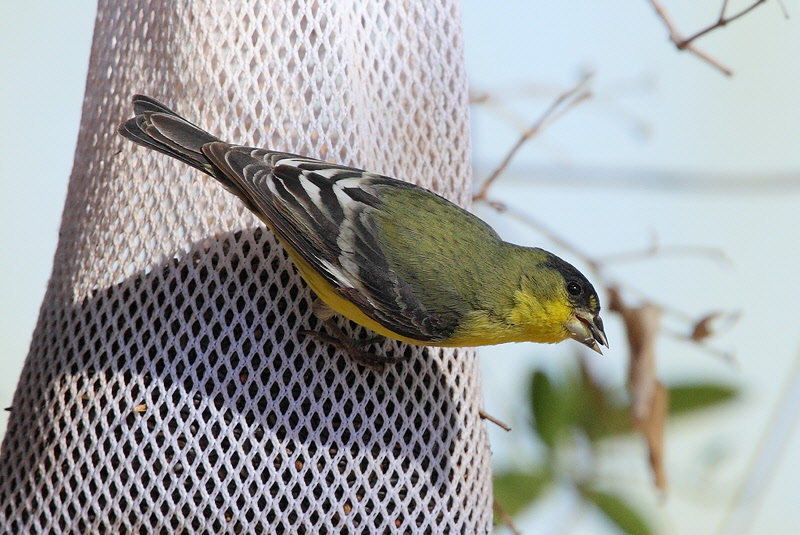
(574, 289)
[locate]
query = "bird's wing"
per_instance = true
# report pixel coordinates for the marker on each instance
(325, 213)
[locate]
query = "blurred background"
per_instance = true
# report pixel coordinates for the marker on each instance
(683, 184)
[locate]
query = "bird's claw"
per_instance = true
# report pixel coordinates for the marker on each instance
(354, 348)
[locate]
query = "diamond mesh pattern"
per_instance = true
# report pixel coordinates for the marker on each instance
(167, 388)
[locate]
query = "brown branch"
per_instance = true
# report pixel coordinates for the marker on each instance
(499, 107)
(564, 103)
(687, 43)
(505, 517)
(727, 357)
(723, 20)
(499, 423)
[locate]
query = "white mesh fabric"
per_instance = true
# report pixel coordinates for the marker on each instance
(167, 387)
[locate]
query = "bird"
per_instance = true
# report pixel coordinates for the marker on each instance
(389, 255)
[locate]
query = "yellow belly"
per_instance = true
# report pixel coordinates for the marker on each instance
(339, 304)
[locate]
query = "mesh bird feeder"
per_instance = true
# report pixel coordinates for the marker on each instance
(168, 387)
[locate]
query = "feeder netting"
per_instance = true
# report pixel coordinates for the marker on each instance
(168, 388)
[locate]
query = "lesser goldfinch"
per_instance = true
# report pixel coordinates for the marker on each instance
(391, 256)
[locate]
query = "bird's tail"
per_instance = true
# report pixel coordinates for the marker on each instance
(157, 127)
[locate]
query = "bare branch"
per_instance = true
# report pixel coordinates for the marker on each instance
(505, 517)
(564, 103)
(722, 11)
(783, 9)
(688, 43)
(486, 416)
(722, 21)
(728, 357)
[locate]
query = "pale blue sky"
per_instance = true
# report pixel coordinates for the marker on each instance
(656, 113)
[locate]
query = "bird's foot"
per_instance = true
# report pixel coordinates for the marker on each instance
(356, 349)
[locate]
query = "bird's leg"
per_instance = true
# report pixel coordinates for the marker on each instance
(326, 314)
(354, 348)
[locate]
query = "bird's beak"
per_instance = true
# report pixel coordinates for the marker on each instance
(587, 328)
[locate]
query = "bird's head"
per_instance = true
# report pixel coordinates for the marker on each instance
(558, 302)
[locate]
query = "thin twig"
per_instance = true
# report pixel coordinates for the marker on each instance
(688, 43)
(499, 107)
(783, 9)
(565, 102)
(505, 517)
(681, 43)
(722, 21)
(486, 416)
(724, 8)
(728, 357)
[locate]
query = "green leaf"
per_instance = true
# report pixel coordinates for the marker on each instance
(626, 518)
(548, 409)
(601, 415)
(606, 420)
(514, 491)
(691, 397)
